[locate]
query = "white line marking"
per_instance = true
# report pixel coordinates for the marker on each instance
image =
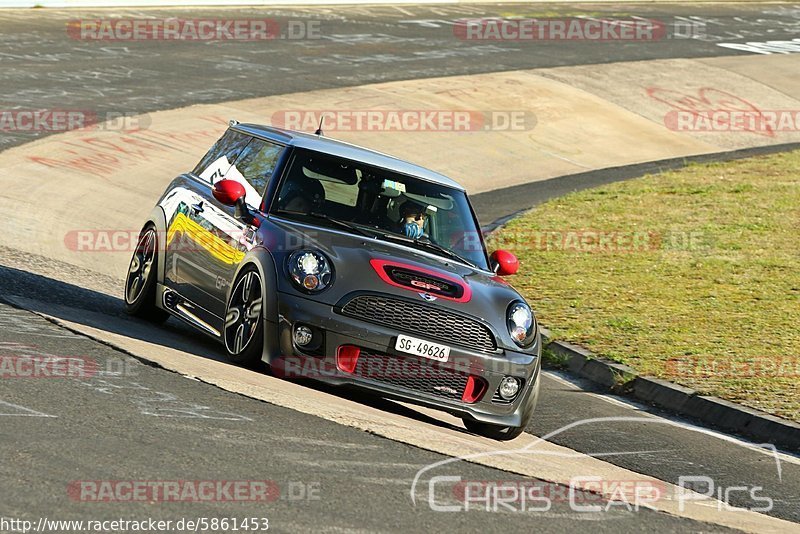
(27, 411)
(403, 11)
(644, 410)
(561, 380)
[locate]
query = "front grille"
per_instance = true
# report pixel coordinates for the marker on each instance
(411, 374)
(419, 319)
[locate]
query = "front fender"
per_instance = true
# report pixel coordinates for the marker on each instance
(263, 261)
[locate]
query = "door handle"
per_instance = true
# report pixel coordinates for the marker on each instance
(197, 208)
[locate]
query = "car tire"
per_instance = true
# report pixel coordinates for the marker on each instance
(243, 331)
(496, 432)
(140, 283)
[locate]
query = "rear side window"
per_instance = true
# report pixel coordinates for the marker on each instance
(219, 159)
(256, 164)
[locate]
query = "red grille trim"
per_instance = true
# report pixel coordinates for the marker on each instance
(381, 266)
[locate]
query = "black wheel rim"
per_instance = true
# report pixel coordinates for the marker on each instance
(140, 267)
(244, 312)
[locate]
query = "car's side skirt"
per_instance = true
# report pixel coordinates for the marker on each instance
(190, 312)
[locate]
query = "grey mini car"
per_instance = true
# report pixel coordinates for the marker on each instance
(337, 263)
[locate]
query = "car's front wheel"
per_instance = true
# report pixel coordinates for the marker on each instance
(244, 327)
(499, 433)
(140, 284)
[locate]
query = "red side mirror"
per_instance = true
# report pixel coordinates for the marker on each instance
(504, 263)
(228, 192)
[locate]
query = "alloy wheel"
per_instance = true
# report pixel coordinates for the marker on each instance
(141, 264)
(244, 312)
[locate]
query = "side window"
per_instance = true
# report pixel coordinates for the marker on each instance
(218, 160)
(255, 166)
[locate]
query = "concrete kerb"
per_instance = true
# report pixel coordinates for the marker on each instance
(712, 411)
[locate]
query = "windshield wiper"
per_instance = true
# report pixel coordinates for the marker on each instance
(446, 251)
(326, 217)
(427, 243)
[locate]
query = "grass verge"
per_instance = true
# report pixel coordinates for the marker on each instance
(691, 275)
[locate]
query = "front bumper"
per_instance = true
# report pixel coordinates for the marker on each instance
(378, 342)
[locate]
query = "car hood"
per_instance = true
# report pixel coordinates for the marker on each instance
(365, 264)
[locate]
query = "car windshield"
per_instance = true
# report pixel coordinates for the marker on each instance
(362, 199)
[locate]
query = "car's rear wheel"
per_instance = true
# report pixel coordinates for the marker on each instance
(499, 433)
(140, 284)
(244, 327)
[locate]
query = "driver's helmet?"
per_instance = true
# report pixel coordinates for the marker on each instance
(302, 194)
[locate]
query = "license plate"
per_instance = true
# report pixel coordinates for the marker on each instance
(420, 347)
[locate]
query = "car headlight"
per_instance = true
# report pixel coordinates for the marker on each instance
(521, 324)
(310, 270)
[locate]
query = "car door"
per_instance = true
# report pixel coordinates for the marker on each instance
(205, 242)
(253, 168)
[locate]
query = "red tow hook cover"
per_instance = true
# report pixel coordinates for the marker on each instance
(474, 390)
(347, 358)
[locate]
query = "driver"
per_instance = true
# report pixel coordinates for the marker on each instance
(412, 219)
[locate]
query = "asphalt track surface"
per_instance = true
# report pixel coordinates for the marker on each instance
(106, 431)
(43, 68)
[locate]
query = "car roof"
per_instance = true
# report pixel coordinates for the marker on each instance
(326, 145)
